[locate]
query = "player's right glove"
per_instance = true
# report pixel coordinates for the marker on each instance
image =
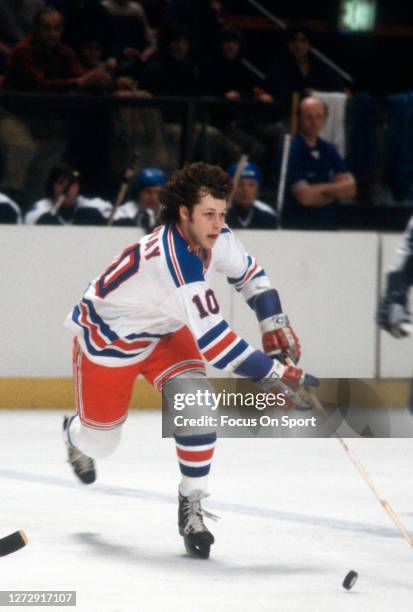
(394, 318)
(288, 380)
(279, 338)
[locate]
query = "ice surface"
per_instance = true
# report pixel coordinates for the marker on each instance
(295, 518)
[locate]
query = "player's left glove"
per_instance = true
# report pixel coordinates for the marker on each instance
(288, 380)
(279, 338)
(394, 318)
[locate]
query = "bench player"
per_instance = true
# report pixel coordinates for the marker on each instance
(153, 313)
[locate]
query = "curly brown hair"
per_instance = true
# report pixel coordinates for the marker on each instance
(185, 188)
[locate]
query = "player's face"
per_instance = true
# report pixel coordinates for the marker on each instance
(204, 224)
(149, 197)
(246, 192)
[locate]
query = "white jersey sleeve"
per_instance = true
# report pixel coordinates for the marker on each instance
(241, 269)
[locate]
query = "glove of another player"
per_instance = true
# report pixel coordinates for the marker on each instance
(394, 318)
(279, 337)
(288, 379)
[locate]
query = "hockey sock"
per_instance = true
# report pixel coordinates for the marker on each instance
(96, 443)
(195, 457)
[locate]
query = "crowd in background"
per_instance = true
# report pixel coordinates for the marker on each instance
(131, 50)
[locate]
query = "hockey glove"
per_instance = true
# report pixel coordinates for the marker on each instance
(288, 380)
(394, 318)
(279, 338)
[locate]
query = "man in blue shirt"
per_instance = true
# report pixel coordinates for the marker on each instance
(317, 177)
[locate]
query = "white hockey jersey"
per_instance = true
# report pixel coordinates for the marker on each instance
(47, 206)
(159, 285)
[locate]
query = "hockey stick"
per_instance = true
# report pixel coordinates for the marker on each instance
(242, 162)
(318, 406)
(124, 186)
(285, 156)
(13, 542)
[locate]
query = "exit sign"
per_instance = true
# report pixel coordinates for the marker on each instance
(357, 15)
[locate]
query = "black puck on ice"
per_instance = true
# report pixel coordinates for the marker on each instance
(350, 580)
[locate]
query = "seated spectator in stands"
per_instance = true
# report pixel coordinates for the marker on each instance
(9, 211)
(246, 211)
(43, 63)
(203, 19)
(64, 206)
(142, 209)
(130, 34)
(226, 74)
(317, 177)
(84, 18)
(299, 70)
(171, 70)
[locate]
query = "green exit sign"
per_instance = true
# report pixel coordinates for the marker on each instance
(357, 15)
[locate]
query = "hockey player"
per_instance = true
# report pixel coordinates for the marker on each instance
(153, 312)
(64, 205)
(246, 211)
(394, 315)
(142, 209)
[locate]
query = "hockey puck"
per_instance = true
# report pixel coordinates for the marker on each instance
(350, 580)
(13, 542)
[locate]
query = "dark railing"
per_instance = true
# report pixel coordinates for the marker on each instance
(99, 134)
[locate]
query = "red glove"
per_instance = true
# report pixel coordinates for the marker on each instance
(288, 379)
(281, 338)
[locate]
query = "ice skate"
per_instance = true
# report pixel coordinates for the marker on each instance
(197, 538)
(83, 466)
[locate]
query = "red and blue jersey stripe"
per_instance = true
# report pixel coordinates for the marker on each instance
(102, 341)
(221, 346)
(252, 272)
(183, 265)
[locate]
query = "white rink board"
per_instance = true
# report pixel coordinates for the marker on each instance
(396, 354)
(327, 282)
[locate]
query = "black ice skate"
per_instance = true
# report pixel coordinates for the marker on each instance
(82, 465)
(197, 538)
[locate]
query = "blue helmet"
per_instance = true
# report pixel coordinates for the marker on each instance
(150, 177)
(251, 170)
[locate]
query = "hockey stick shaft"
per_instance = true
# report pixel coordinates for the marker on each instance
(359, 467)
(124, 186)
(242, 162)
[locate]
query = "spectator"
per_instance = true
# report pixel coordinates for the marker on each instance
(203, 19)
(42, 63)
(317, 177)
(84, 18)
(246, 211)
(130, 34)
(142, 209)
(298, 70)
(64, 206)
(171, 71)
(226, 73)
(9, 211)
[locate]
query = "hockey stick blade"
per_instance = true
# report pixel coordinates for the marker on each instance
(13, 542)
